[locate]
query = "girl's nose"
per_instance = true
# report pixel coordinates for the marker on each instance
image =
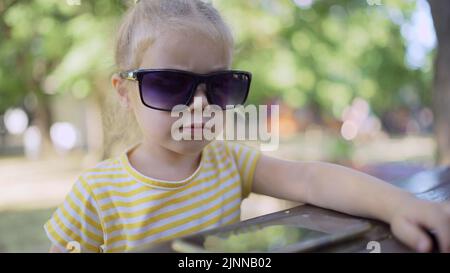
(200, 93)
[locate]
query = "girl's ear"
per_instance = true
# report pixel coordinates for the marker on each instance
(119, 85)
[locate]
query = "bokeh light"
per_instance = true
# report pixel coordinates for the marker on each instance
(16, 121)
(63, 135)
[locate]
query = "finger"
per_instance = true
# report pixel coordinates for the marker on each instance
(446, 207)
(439, 223)
(411, 234)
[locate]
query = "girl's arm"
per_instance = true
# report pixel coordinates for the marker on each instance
(342, 189)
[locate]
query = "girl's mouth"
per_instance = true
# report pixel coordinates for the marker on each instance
(195, 126)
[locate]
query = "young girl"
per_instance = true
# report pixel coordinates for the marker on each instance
(167, 53)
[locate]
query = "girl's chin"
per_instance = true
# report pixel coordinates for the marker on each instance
(191, 146)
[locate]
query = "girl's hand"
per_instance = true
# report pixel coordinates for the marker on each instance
(409, 221)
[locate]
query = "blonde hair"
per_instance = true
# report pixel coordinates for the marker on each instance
(143, 23)
(148, 19)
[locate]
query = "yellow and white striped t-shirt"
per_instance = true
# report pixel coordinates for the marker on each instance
(114, 208)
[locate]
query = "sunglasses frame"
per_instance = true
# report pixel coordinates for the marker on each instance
(137, 75)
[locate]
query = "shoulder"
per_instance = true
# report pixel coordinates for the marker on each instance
(226, 145)
(233, 149)
(106, 170)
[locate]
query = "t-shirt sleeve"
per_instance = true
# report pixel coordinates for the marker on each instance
(75, 225)
(246, 159)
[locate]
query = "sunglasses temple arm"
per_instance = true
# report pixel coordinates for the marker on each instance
(128, 75)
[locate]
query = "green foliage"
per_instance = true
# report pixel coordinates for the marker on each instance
(324, 55)
(48, 46)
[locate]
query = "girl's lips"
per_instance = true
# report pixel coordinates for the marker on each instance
(195, 126)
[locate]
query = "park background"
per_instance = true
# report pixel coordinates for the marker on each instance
(360, 83)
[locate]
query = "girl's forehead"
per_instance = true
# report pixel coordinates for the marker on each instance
(192, 51)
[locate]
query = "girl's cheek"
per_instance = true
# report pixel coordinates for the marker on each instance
(158, 122)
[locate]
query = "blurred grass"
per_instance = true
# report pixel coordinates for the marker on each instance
(22, 231)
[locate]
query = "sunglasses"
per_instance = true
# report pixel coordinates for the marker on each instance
(163, 89)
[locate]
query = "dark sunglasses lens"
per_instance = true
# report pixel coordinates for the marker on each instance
(164, 89)
(229, 89)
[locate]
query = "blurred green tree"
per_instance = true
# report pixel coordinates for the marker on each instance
(322, 55)
(441, 95)
(49, 47)
(326, 54)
